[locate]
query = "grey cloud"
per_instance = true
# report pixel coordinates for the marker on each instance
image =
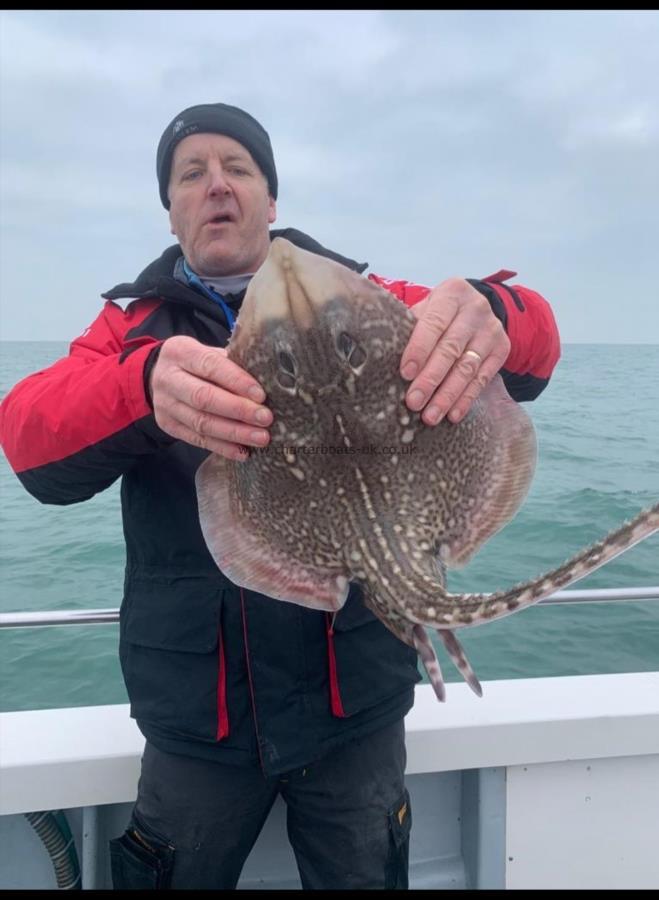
(429, 143)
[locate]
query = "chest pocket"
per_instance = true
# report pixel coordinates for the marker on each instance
(177, 613)
(368, 663)
(171, 652)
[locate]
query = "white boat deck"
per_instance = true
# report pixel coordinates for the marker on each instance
(547, 782)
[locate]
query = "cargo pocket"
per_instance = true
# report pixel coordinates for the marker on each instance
(400, 823)
(140, 861)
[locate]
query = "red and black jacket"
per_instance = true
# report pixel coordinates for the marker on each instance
(212, 670)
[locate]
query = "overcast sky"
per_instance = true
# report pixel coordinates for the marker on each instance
(429, 144)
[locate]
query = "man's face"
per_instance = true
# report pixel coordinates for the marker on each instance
(220, 206)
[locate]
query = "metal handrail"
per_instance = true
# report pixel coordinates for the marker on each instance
(110, 616)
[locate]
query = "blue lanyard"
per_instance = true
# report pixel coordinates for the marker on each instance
(212, 294)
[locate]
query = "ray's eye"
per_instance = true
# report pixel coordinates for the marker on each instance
(286, 362)
(357, 357)
(350, 350)
(345, 344)
(286, 374)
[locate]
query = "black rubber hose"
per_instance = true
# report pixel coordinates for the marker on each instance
(54, 831)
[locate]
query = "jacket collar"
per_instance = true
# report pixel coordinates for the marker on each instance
(157, 279)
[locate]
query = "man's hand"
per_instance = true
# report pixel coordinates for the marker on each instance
(201, 397)
(457, 346)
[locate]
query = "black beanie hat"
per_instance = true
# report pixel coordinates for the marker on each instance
(218, 118)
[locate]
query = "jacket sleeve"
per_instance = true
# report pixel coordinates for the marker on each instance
(72, 429)
(529, 322)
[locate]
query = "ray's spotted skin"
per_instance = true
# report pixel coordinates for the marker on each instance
(353, 486)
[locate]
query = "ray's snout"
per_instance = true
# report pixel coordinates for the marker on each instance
(294, 284)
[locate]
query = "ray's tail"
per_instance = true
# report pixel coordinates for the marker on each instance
(471, 609)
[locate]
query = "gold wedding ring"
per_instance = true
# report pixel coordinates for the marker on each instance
(474, 354)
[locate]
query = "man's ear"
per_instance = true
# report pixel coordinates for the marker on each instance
(272, 210)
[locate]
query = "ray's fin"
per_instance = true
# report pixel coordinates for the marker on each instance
(247, 559)
(508, 437)
(430, 662)
(456, 651)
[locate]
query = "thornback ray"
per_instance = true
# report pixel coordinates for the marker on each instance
(353, 486)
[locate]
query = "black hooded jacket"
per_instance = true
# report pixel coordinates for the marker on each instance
(211, 670)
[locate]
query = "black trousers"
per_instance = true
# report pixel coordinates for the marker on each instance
(195, 821)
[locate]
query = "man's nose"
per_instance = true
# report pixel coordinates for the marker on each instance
(219, 183)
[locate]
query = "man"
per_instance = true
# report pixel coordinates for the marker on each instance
(241, 698)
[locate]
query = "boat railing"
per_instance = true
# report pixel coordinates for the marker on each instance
(109, 616)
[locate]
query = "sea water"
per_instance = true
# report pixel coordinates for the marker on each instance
(598, 465)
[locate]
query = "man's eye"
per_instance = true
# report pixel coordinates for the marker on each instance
(235, 170)
(190, 176)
